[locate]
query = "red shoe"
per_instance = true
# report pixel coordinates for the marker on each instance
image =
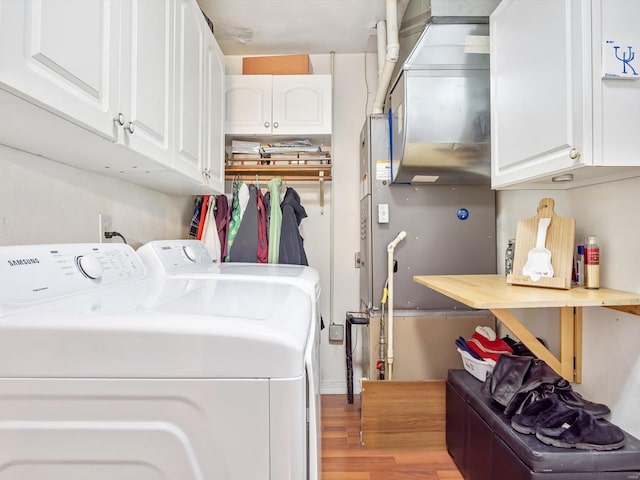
(486, 344)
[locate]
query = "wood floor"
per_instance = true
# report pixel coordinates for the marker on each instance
(344, 459)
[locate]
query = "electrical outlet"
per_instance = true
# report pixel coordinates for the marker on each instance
(336, 333)
(104, 225)
(383, 213)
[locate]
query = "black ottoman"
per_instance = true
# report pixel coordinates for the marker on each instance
(485, 447)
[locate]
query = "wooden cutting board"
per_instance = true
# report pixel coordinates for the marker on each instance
(560, 241)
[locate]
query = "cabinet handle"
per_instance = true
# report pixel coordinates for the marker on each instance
(120, 119)
(130, 128)
(574, 154)
(267, 124)
(276, 124)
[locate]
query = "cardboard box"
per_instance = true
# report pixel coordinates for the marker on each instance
(276, 65)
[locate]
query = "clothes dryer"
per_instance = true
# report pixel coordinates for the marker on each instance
(107, 374)
(190, 259)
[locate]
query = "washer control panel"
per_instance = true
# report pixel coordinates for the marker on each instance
(167, 257)
(33, 273)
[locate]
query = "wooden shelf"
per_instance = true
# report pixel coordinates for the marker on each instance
(303, 167)
(492, 292)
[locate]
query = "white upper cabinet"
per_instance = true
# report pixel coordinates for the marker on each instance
(63, 55)
(278, 104)
(189, 126)
(133, 72)
(248, 104)
(146, 107)
(554, 116)
(301, 104)
(214, 115)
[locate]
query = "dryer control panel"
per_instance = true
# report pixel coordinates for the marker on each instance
(169, 257)
(34, 273)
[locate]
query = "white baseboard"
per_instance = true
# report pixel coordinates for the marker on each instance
(333, 388)
(339, 388)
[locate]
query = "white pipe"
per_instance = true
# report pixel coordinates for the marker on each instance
(394, 17)
(381, 35)
(390, 249)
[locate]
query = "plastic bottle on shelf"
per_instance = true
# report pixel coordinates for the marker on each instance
(592, 263)
(580, 266)
(508, 256)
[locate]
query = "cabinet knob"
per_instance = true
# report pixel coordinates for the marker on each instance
(267, 124)
(276, 124)
(574, 154)
(130, 128)
(120, 119)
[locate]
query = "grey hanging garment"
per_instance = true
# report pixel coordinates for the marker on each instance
(245, 245)
(291, 242)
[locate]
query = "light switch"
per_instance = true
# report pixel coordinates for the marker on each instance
(383, 213)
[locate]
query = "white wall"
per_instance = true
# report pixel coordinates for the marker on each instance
(611, 357)
(48, 202)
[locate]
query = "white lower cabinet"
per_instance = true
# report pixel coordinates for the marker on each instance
(113, 87)
(556, 121)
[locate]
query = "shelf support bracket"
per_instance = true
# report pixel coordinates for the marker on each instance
(569, 365)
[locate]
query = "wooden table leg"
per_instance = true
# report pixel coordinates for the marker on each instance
(526, 337)
(577, 344)
(567, 343)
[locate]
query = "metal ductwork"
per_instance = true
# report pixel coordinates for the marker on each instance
(438, 104)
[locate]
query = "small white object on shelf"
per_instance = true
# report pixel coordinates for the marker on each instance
(478, 368)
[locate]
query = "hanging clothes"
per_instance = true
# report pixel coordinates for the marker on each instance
(240, 198)
(195, 218)
(222, 223)
(243, 198)
(275, 220)
(267, 211)
(210, 232)
(203, 216)
(263, 243)
(245, 244)
(291, 242)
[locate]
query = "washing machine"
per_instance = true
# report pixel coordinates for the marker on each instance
(107, 374)
(190, 259)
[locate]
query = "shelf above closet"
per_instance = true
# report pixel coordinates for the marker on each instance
(292, 168)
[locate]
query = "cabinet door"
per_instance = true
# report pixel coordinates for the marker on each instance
(189, 127)
(478, 448)
(146, 88)
(63, 56)
(214, 115)
(248, 104)
(616, 101)
(539, 86)
(301, 104)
